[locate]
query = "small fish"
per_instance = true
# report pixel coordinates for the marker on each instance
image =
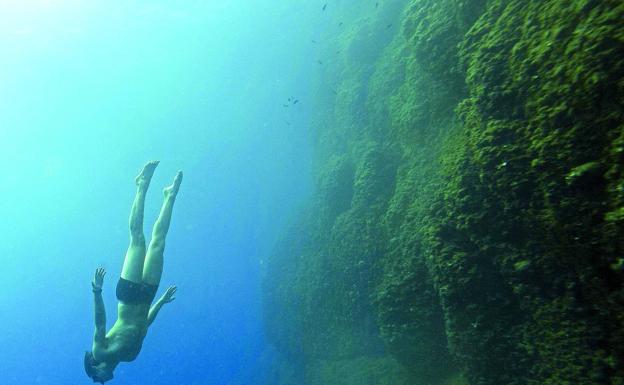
(295, 101)
(320, 62)
(376, 5)
(339, 51)
(340, 24)
(314, 41)
(324, 6)
(289, 99)
(288, 123)
(285, 105)
(388, 26)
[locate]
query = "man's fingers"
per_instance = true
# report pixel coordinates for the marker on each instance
(100, 273)
(170, 295)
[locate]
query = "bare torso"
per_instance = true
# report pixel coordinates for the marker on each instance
(125, 338)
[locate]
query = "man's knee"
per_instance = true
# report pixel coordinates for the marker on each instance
(137, 240)
(157, 244)
(136, 230)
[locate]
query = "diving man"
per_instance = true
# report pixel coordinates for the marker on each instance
(136, 289)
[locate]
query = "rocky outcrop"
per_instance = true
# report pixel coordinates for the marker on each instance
(467, 225)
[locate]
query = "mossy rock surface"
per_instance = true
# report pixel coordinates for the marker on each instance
(468, 222)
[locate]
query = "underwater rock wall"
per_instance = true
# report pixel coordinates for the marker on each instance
(467, 225)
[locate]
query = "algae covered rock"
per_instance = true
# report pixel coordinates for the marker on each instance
(468, 223)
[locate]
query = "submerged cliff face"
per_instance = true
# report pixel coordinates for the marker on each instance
(467, 225)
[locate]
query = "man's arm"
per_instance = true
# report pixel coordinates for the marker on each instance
(166, 298)
(100, 311)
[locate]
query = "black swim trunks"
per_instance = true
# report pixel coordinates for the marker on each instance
(133, 293)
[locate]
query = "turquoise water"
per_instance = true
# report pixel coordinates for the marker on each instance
(89, 91)
(393, 192)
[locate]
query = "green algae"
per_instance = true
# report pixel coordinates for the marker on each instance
(468, 222)
(357, 371)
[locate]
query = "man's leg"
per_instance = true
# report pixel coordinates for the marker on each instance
(133, 263)
(153, 268)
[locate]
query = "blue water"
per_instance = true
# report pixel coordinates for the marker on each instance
(89, 91)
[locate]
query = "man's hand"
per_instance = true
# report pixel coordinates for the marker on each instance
(166, 298)
(169, 294)
(98, 279)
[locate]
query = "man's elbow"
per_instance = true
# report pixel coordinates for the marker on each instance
(100, 331)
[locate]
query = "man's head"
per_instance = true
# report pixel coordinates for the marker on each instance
(98, 371)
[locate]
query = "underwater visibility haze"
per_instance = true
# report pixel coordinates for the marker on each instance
(383, 192)
(90, 92)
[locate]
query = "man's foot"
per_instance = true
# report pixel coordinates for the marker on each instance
(172, 191)
(145, 176)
